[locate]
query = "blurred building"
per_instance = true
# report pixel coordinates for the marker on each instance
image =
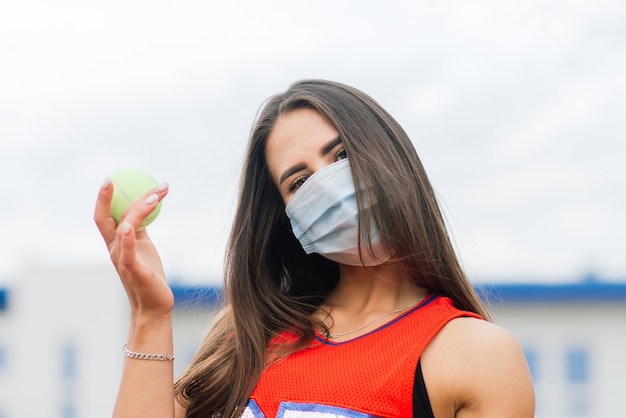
(62, 330)
(61, 337)
(574, 338)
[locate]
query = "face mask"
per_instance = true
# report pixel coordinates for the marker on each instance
(324, 218)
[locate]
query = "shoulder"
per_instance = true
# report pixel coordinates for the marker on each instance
(477, 368)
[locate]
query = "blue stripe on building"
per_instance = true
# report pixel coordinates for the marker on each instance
(585, 292)
(193, 296)
(3, 299)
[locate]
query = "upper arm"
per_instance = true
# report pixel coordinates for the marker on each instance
(476, 369)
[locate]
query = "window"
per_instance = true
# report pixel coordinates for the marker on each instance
(68, 354)
(577, 365)
(68, 411)
(577, 377)
(69, 362)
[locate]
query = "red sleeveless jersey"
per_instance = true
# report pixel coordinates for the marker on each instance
(369, 376)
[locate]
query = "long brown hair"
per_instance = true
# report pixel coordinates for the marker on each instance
(270, 283)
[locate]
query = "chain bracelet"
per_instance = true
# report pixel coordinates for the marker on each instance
(145, 356)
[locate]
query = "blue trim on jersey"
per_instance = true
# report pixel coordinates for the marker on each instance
(253, 408)
(431, 297)
(302, 410)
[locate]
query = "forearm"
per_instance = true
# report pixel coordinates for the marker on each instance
(147, 386)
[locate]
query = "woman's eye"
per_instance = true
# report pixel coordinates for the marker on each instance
(341, 155)
(295, 185)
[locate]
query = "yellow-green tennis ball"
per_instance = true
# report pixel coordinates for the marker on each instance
(129, 185)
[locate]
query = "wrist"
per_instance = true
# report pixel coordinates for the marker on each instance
(150, 328)
(143, 319)
(149, 341)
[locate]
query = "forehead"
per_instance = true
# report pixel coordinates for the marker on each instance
(296, 137)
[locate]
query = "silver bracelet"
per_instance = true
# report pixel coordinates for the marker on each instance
(145, 356)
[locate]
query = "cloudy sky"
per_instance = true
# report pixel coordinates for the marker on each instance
(516, 109)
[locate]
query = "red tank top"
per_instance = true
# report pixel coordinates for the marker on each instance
(369, 376)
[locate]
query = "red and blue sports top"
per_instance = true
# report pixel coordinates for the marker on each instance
(370, 376)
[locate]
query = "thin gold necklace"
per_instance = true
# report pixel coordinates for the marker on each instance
(328, 335)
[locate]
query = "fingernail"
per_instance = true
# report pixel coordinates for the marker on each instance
(152, 198)
(106, 183)
(126, 228)
(162, 187)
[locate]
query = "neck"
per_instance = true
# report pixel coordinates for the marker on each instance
(385, 286)
(366, 293)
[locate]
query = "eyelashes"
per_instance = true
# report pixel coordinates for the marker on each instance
(341, 155)
(299, 181)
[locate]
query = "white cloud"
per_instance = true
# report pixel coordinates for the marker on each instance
(514, 108)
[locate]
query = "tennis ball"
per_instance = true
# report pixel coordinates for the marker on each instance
(129, 185)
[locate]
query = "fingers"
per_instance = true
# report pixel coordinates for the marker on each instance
(127, 261)
(142, 207)
(134, 256)
(135, 214)
(102, 215)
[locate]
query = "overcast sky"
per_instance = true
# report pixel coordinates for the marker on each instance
(516, 109)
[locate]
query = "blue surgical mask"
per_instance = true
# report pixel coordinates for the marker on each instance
(325, 219)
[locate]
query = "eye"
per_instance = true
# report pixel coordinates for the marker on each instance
(341, 155)
(295, 185)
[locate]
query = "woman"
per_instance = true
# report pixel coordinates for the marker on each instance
(344, 296)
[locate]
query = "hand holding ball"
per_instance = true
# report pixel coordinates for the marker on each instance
(129, 185)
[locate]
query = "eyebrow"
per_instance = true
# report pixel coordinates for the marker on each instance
(301, 166)
(330, 146)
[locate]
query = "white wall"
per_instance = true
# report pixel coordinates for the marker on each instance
(68, 323)
(62, 336)
(549, 331)
(7, 367)
(64, 345)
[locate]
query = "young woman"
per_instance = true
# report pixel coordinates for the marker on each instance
(343, 294)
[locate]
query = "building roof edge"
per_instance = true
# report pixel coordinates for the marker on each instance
(591, 291)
